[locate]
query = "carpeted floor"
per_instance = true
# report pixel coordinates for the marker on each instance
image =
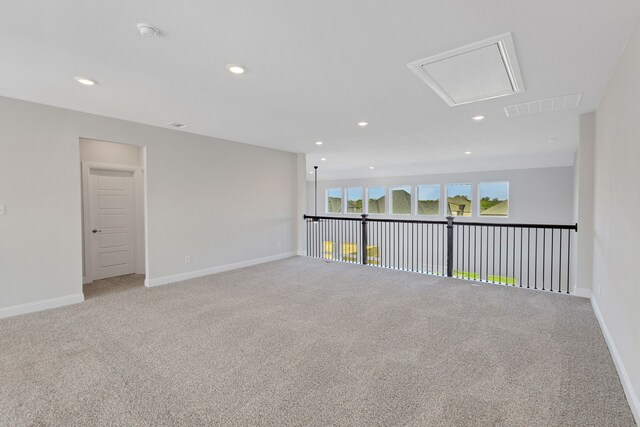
(305, 342)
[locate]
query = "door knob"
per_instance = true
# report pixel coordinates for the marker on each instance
(95, 230)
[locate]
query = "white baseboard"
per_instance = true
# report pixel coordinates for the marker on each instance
(584, 293)
(632, 397)
(165, 280)
(301, 253)
(32, 307)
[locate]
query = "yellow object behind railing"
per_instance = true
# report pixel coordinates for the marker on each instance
(328, 250)
(373, 255)
(350, 252)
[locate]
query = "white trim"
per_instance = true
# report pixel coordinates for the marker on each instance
(632, 397)
(139, 209)
(145, 210)
(213, 270)
(32, 307)
(583, 293)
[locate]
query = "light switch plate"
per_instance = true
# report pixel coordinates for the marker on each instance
(2, 209)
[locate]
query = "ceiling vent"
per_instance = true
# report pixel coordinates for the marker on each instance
(476, 72)
(543, 105)
(177, 125)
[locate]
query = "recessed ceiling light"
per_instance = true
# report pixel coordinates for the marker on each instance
(236, 68)
(552, 140)
(147, 30)
(323, 159)
(363, 124)
(319, 142)
(478, 118)
(370, 167)
(85, 81)
(467, 152)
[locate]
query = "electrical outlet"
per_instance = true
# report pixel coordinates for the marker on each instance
(2, 209)
(279, 244)
(187, 259)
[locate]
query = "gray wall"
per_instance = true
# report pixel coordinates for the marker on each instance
(584, 203)
(616, 292)
(108, 152)
(218, 201)
(536, 195)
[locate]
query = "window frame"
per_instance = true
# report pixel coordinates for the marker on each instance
(326, 200)
(446, 199)
(411, 195)
(362, 198)
(480, 215)
(384, 191)
(417, 202)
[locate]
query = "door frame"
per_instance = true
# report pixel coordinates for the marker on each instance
(139, 208)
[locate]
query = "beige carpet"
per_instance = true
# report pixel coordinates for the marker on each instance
(305, 342)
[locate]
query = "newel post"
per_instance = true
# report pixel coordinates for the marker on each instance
(450, 246)
(364, 239)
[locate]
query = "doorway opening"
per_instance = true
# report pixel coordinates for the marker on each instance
(113, 215)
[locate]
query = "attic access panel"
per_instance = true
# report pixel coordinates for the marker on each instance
(476, 72)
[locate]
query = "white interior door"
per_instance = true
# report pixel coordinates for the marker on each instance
(111, 223)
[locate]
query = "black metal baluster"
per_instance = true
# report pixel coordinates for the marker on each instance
(475, 250)
(481, 247)
(535, 284)
(434, 246)
(520, 278)
(388, 244)
(500, 256)
(560, 265)
(468, 269)
(544, 255)
(568, 259)
(336, 233)
(459, 246)
(464, 253)
(493, 255)
(506, 258)
(415, 244)
(528, 256)
(395, 250)
(513, 258)
(439, 253)
(552, 245)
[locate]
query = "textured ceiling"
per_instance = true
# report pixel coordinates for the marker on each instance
(316, 68)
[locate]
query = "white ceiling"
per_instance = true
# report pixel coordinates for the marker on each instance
(315, 68)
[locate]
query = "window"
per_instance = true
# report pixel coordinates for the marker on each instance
(429, 199)
(494, 198)
(334, 200)
(459, 199)
(354, 200)
(401, 200)
(376, 200)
